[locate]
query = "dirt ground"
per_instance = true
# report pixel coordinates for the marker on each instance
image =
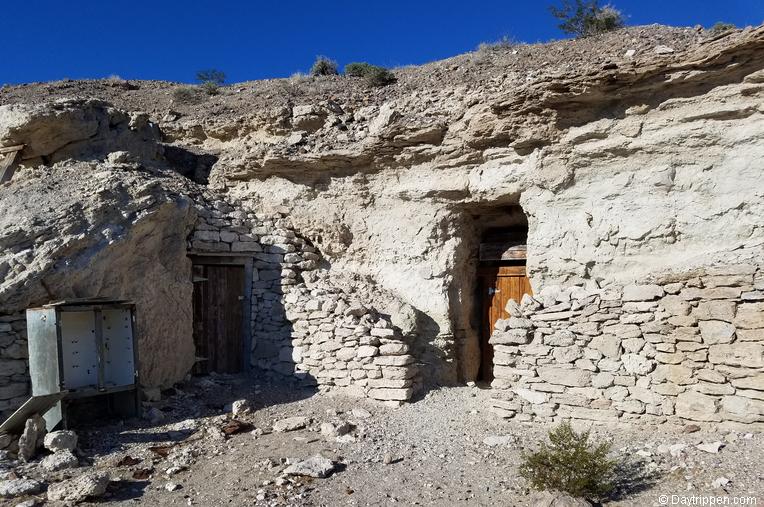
(432, 452)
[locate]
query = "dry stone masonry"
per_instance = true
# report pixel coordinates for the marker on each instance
(686, 347)
(302, 325)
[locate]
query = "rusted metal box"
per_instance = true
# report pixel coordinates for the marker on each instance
(85, 348)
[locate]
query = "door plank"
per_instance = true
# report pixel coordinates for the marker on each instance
(218, 318)
(506, 282)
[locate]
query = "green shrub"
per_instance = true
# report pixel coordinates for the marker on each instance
(721, 27)
(374, 74)
(358, 69)
(583, 18)
(571, 464)
(210, 88)
(185, 95)
(324, 66)
(211, 76)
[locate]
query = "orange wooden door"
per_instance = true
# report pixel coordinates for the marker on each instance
(497, 286)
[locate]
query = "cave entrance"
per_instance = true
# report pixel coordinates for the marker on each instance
(501, 276)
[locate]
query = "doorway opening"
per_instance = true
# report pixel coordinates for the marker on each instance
(501, 276)
(221, 313)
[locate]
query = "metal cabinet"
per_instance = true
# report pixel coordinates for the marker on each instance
(84, 348)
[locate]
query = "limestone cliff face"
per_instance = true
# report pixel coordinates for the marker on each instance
(626, 171)
(624, 174)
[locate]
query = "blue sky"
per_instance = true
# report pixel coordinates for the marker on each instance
(171, 39)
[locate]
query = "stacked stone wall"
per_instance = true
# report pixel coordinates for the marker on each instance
(14, 370)
(302, 324)
(683, 348)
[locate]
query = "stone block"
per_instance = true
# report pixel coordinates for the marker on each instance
(530, 396)
(391, 394)
(608, 344)
(747, 354)
(697, 406)
(637, 364)
(393, 349)
(571, 377)
(750, 335)
(715, 310)
(675, 305)
(642, 292)
(510, 337)
(750, 316)
(623, 331)
(561, 338)
(716, 331)
(367, 351)
(567, 354)
(393, 360)
(754, 382)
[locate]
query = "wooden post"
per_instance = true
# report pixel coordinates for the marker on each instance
(8, 156)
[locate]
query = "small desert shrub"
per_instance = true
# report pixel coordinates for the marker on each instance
(721, 27)
(210, 88)
(374, 74)
(324, 66)
(503, 43)
(186, 95)
(583, 18)
(571, 464)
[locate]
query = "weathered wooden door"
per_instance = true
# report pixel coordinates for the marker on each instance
(497, 286)
(218, 318)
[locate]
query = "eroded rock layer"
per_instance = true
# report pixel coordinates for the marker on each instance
(359, 214)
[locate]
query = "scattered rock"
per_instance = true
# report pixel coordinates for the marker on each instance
(712, 447)
(64, 440)
(154, 415)
(720, 482)
(240, 407)
(88, 485)
(172, 486)
(691, 428)
(676, 449)
(18, 487)
(59, 460)
(32, 437)
(495, 440)
(387, 458)
(290, 424)
(360, 413)
(316, 466)
(663, 50)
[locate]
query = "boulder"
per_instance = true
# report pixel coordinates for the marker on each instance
(290, 424)
(316, 466)
(32, 437)
(59, 460)
(62, 440)
(87, 486)
(19, 487)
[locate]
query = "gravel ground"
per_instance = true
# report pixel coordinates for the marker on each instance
(432, 452)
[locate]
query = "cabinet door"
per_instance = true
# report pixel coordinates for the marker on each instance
(79, 350)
